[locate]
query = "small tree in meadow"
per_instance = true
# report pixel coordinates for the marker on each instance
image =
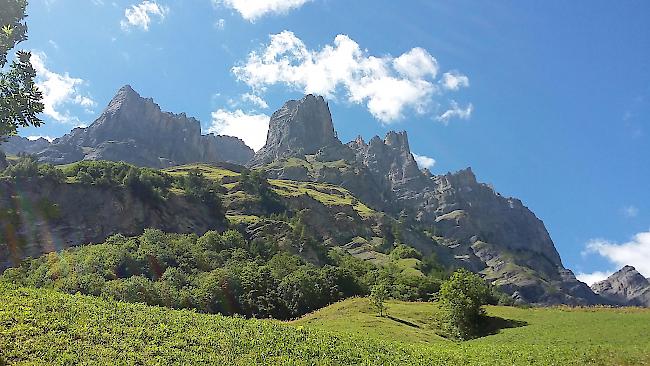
(462, 298)
(378, 296)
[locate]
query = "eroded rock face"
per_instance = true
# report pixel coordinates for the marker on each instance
(15, 145)
(53, 216)
(135, 130)
(625, 287)
(477, 227)
(299, 128)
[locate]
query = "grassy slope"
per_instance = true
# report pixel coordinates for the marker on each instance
(327, 194)
(45, 327)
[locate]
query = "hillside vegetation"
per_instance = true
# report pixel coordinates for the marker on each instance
(47, 327)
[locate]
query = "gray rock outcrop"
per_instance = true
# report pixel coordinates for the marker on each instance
(480, 229)
(135, 130)
(299, 128)
(625, 287)
(15, 145)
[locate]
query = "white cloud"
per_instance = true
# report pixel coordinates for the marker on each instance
(34, 138)
(140, 15)
(455, 111)
(220, 24)
(386, 85)
(255, 100)
(591, 278)
(59, 90)
(630, 211)
(252, 10)
(252, 128)
(416, 64)
(424, 161)
(453, 80)
(635, 252)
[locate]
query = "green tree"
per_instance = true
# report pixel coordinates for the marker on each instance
(378, 296)
(462, 298)
(20, 99)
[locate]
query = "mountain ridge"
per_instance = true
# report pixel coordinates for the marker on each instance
(135, 130)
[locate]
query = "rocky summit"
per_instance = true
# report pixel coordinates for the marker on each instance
(133, 129)
(467, 222)
(625, 287)
(15, 145)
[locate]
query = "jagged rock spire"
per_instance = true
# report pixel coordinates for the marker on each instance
(299, 128)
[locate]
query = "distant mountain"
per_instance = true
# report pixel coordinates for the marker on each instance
(16, 145)
(135, 130)
(625, 287)
(477, 227)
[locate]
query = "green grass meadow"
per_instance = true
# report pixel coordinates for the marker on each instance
(43, 327)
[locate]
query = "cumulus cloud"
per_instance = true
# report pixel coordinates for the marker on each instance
(252, 128)
(387, 85)
(455, 111)
(424, 161)
(453, 80)
(252, 10)
(59, 91)
(140, 15)
(635, 252)
(591, 278)
(255, 100)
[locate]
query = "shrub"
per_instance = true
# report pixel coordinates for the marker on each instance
(462, 298)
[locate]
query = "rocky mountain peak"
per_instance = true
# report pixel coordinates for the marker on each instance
(135, 130)
(300, 127)
(397, 140)
(626, 287)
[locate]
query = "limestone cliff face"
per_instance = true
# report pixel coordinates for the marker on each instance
(15, 145)
(625, 287)
(42, 217)
(475, 226)
(135, 130)
(299, 128)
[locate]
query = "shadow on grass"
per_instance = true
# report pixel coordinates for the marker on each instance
(402, 321)
(492, 325)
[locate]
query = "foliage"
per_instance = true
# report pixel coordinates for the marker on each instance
(26, 168)
(255, 182)
(20, 99)
(462, 297)
(378, 297)
(215, 273)
(403, 251)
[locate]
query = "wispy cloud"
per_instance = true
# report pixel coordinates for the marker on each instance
(255, 100)
(60, 91)
(140, 15)
(455, 111)
(252, 10)
(388, 86)
(424, 161)
(630, 211)
(635, 252)
(250, 127)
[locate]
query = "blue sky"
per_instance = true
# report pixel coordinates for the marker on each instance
(548, 101)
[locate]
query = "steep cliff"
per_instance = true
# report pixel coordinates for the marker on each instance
(41, 216)
(479, 228)
(135, 130)
(625, 287)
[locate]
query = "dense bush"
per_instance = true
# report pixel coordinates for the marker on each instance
(462, 298)
(215, 273)
(27, 168)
